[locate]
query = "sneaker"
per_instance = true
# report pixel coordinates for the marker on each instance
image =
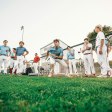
(69, 75)
(102, 76)
(50, 75)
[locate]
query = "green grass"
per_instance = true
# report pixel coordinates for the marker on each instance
(59, 94)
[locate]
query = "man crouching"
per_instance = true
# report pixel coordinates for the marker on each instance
(55, 54)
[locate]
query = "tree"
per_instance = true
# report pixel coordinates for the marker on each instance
(92, 35)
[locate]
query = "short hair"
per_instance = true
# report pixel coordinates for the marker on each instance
(86, 39)
(99, 27)
(36, 54)
(21, 42)
(68, 47)
(14, 48)
(5, 41)
(56, 40)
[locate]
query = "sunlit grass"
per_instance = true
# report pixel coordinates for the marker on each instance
(58, 94)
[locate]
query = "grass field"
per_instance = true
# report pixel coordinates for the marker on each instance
(59, 94)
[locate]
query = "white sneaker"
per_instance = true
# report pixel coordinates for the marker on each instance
(67, 75)
(102, 76)
(50, 75)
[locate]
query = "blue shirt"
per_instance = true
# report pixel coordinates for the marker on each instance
(57, 51)
(20, 51)
(106, 41)
(71, 55)
(4, 50)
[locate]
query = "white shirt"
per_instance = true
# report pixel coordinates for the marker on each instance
(87, 51)
(99, 37)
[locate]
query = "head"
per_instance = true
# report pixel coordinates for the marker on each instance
(36, 54)
(14, 50)
(21, 43)
(86, 40)
(98, 28)
(68, 48)
(5, 42)
(56, 43)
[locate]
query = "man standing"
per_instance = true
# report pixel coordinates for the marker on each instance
(21, 52)
(101, 51)
(55, 54)
(13, 61)
(35, 62)
(107, 42)
(4, 53)
(88, 58)
(71, 60)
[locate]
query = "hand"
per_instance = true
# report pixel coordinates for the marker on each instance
(100, 51)
(24, 55)
(84, 50)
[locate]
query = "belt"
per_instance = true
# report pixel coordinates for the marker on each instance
(71, 58)
(87, 53)
(3, 55)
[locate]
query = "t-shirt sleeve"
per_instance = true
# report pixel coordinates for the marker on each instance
(90, 45)
(49, 50)
(9, 49)
(67, 55)
(61, 52)
(101, 35)
(16, 50)
(25, 50)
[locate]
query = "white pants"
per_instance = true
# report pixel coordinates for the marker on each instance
(4, 61)
(89, 64)
(35, 65)
(20, 64)
(102, 60)
(53, 61)
(72, 66)
(13, 64)
(108, 65)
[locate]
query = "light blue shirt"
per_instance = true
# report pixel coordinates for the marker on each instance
(70, 54)
(106, 41)
(20, 51)
(5, 50)
(57, 51)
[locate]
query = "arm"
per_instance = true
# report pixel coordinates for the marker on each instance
(83, 49)
(101, 46)
(61, 55)
(89, 46)
(25, 53)
(9, 51)
(72, 52)
(108, 48)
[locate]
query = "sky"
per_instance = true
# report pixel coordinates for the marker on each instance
(45, 20)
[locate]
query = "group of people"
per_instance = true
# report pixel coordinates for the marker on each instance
(13, 59)
(55, 54)
(16, 61)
